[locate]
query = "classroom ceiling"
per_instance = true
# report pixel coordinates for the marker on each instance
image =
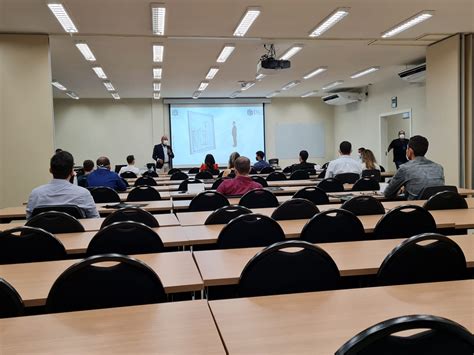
(120, 35)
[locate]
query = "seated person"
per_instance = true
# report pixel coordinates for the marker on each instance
(345, 163)
(210, 165)
(242, 183)
(368, 160)
(303, 164)
(230, 168)
(360, 151)
(130, 167)
(104, 177)
(60, 191)
(261, 163)
(87, 168)
(417, 173)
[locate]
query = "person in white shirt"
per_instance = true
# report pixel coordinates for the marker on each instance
(130, 167)
(345, 163)
(368, 161)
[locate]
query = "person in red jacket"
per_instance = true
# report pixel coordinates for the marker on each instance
(210, 165)
(242, 183)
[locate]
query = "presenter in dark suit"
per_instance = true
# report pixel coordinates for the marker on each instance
(163, 155)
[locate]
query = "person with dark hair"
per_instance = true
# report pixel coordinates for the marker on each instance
(361, 151)
(130, 167)
(417, 173)
(60, 191)
(242, 183)
(87, 168)
(345, 163)
(104, 177)
(261, 163)
(399, 147)
(163, 154)
(59, 150)
(303, 164)
(210, 165)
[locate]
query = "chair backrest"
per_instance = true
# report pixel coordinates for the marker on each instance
(287, 170)
(11, 304)
(71, 210)
(363, 206)
(179, 175)
(226, 214)
(128, 175)
(253, 171)
(208, 201)
(267, 170)
(404, 222)
(276, 176)
(86, 285)
(145, 181)
(183, 186)
(347, 178)
(103, 194)
(414, 261)
(173, 171)
(366, 184)
(151, 166)
(134, 214)
(313, 194)
(295, 208)
(259, 198)
(55, 222)
(204, 175)
(217, 183)
(143, 193)
(331, 185)
(250, 230)
(273, 161)
(437, 336)
(29, 244)
(374, 174)
(118, 167)
(126, 238)
(334, 225)
(277, 270)
(260, 180)
(193, 170)
(446, 200)
(322, 174)
(150, 173)
(299, 175)
(429, 191)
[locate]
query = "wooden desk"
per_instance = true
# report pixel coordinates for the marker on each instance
(165, 195)
(321, 322)
(166, 328)
(223, 267)
(179, 205)
(177, 272)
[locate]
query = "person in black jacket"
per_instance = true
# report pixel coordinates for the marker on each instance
(303, 164)
(399, 147)
(163, 154)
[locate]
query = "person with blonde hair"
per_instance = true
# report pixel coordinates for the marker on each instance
(368, 160)
(230, 169)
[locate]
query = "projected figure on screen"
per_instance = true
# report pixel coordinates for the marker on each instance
(234, 134)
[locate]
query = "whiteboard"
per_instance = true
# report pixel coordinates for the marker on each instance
(291, 138)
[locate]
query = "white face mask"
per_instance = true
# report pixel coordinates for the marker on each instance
(165, 142)
(402, 136)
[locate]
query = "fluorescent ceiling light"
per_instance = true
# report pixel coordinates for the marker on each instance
(157, 72)
(108, 85)
(290, 85)
(364, 72)
(315, 72)
(72, 95)
(196, 94)
(58, 86)
(212, 73)
(291, 52)
(329, 21)
(116, 96)
(86, 51)
(158, 15)
(156, 86)
(99, 72)
(157, 95)
(62, 16)
(332, 85)
(405, 25)
(225, 53)
(260, 76)
(235, 94)
(309, 93)
(272, 94)
(247, 20)
(203, 86)
(248, 85)
(158, 51)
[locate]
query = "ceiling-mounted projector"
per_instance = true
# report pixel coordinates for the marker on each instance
(268, 63)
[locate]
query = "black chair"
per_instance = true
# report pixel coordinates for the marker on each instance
(411, 262)
(208, 201)
(404, 222)
(85, 285)
(267, 170)
(11, 304)
(29, 244)
(118, 167)
(71, 210)
(145, 181)
(259, 198)
(438, 336)
(174, 171)
(150, 173)
(260, 180)
(287, 170)
(217, 183)
(275, 270)
(125, 238)
(204, 175)
(363, 206)
(313, 194)
(374, 174)
(151, 166)
(183, 186)
(134, 214)
(445, 200)
(325, 165)
(429, 191)
(103, 194)
(276, 176)
(347, 178)
(55, 222)
(253, 171)
(322, 174)
(299, 175)
(193, 171)
(296, 208)
(250, 230)
(330, 226)
(273, 161)
(143, 193)
(226, 214)
(128, 175)
(366, 184)
(331, 185)
(179, 175)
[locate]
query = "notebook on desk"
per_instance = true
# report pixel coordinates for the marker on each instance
(120, 205)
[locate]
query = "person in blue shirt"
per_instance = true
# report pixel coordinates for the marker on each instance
(102, 176)
(261, 163)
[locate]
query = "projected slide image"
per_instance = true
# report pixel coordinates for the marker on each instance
(201, 132)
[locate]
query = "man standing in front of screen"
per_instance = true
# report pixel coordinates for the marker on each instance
(163, 154)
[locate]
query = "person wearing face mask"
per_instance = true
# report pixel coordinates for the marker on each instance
(399, 147)
(163, 154)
